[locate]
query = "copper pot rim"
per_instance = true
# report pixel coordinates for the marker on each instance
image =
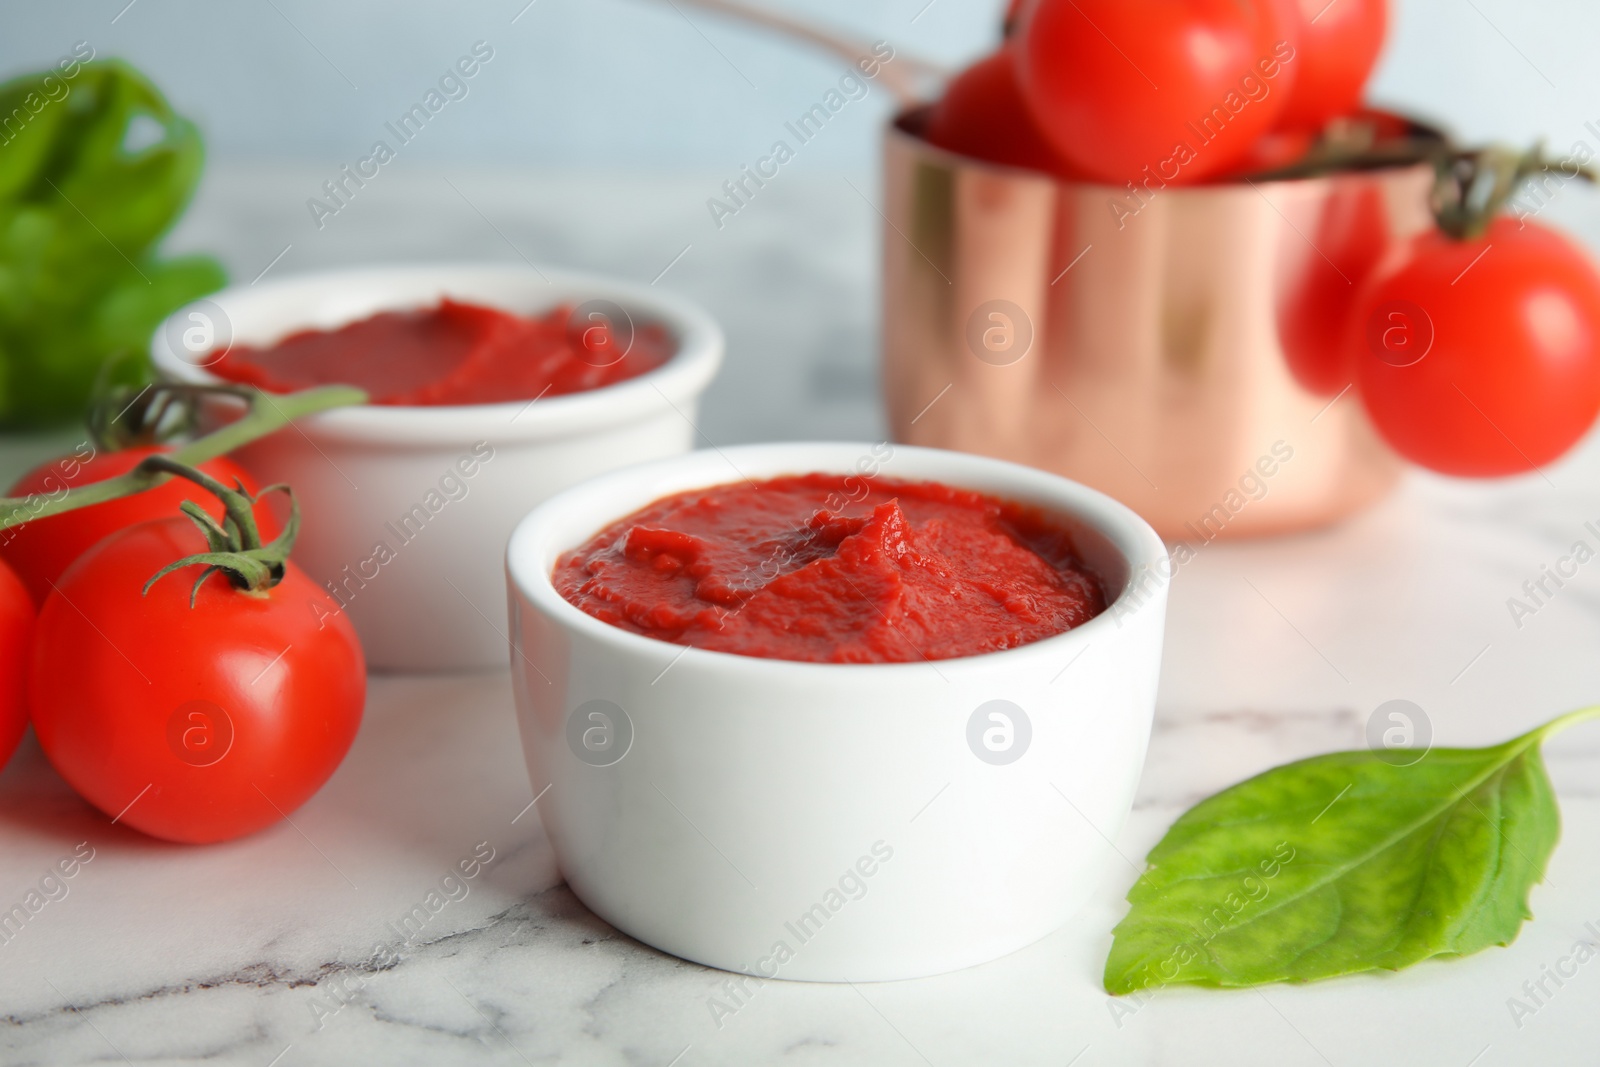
(906, 126)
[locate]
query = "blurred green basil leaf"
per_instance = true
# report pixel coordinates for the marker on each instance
(95, 167)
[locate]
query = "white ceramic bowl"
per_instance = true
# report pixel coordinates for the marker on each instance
(834, 822)
(427, 592)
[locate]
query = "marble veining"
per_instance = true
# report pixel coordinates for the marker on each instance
(261, 952)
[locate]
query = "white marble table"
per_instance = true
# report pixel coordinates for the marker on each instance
(255, 952)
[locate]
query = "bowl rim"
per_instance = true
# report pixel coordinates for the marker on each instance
(530, 554)
(701, 345)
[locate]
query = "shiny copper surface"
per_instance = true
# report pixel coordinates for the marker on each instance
(1156, 369)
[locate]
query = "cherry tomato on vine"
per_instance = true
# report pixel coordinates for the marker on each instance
(194, 721)
(1480, 357)
(1156, 90)
(1339, 44)
(1350, 239)
(16, 644)
(982, 115)
(42, 550)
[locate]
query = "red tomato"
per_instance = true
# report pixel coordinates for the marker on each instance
(1272, 150)
(42, 550)
(1339, 44)
(982, 115)
(1156, 91)
(193, 724)
(16, 643)
(1481, 358)
(1350, 238)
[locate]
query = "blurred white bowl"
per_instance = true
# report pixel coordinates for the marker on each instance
(719, 806)
(404, 517)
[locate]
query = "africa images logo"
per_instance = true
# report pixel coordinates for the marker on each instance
(999, 732)
(599, 732)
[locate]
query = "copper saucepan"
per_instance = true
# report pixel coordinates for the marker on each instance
(1172, 347)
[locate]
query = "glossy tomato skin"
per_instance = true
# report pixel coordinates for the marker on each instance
(1480, 358)
(982, 115)
(1351, 238)
(16, 647)
(1339, 44)
(233, 712)
(42, 550)
(1148, 91)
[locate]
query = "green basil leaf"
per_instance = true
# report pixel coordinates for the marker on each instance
(97, 168)
(130, 196)
(29, 126)
(1343, 863)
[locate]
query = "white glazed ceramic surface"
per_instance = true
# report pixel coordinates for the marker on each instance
(832, 822)
(402, 512)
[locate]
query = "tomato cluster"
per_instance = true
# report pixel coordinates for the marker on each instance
(1474, 347)
(198, 707)
(1168, 91)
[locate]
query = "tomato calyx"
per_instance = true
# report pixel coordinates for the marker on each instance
(234, 546)
(1364, 141)
(1472, 187)
(127, 416)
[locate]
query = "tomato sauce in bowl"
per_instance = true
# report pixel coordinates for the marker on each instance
(834, 569)
(456, 353)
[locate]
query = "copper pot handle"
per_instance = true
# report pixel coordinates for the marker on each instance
(910, 78)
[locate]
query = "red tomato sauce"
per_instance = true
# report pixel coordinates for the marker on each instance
(454, 353)
(834, 569)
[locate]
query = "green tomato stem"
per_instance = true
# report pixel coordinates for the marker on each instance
(1471, 188)
(265, 415)
(235, 544)
(125, 416)
(237, 505)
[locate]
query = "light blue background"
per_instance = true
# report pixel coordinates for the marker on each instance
(607, 84)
